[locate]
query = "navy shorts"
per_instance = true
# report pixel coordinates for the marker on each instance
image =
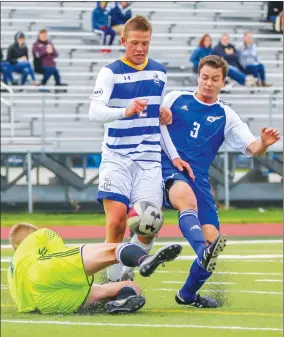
(207, 210)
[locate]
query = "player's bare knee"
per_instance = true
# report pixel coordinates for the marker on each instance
(182, 197)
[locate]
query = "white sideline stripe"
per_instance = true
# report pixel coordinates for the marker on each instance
(262, 280)
(217, 272)
(228, 291)
(4, 286)
(188, 326)
(208, 283)
(185, 243)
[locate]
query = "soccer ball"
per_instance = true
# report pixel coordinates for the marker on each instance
(144, 218)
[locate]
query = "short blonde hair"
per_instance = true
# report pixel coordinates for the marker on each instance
(19, 232)
(138, 22)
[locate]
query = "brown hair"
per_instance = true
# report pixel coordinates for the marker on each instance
(44, 30)
(19, 232)
(138, 22)
(245, 34)
(214, 61)
(201, 42)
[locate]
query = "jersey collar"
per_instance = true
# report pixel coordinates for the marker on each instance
(140, 67)
(194, 95)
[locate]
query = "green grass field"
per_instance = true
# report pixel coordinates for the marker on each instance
(248, 285)
(232, 216)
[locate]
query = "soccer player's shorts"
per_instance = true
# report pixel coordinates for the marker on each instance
(207, 210)
(58, 282)
(128, 183)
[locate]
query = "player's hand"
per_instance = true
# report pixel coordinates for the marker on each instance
(166, 115)
(269, 136)
(136, 107)
(181, 165)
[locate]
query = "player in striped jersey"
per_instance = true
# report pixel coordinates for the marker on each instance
(127, 98)
(46, 276)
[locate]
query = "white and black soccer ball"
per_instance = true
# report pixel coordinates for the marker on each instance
(144, 218)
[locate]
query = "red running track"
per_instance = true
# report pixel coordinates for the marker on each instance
(167, 231)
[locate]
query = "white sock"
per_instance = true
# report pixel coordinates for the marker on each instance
(146, 247)
(114, 272)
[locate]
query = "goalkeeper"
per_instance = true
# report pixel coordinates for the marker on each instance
(48, 277)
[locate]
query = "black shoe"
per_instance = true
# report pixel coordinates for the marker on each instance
(127, 305)
(211, 253)
(199, 302)
(164, 254)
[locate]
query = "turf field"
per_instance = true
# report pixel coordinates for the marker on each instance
(232, 216)
(248, 283)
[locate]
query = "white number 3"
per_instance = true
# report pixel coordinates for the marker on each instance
(194, 132)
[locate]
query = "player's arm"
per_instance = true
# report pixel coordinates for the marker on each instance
(239, 136)
(167, 143)
(99, 109)
(166, 116)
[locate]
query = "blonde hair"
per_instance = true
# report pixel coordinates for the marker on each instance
(19, 232)
(138, 22)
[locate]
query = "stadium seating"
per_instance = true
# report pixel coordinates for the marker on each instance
(177, 28)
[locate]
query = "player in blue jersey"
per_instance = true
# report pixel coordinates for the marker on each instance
(201, 123)
(127, 98)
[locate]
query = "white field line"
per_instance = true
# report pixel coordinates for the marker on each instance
(228, 291)
(262, 280)
(193, 257)
(207, 283)
(185, 243)
(116, 325)
(3, 286)
(217, 272)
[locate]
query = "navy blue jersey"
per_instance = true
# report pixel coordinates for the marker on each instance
(199, 129)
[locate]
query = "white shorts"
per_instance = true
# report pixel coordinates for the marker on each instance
(127, 182)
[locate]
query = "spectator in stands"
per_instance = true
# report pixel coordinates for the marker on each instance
(229, 52)
(100, 21)
(250, 61)
(18, 57)
(279, 23)
(119, 14)
(6, 70)
(204, 49)
(44, 54)
(274, 9)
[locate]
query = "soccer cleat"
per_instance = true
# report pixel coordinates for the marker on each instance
(125, 306)
(164, 254)
(211, 253)
(199, 302)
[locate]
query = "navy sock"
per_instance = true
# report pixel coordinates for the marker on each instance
(197, 277)
(191, 230)
(125, 292)
(130, 255)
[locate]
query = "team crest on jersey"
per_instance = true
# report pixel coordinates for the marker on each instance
(213, 119)
(156, 79)
(97, 92)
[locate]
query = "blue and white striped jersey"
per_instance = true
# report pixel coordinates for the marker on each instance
(136, 137)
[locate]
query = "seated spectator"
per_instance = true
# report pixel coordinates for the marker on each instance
(6, 70)
(228, 51)
(274, 9)
(119, 14)
(204, 49)
(44, 54)
(279, 23)
(18, 58)
(100, 21)
(250, 61)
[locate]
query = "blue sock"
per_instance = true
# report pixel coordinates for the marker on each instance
(197, 277)
(191, 230)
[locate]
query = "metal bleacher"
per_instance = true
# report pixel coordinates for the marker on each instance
(32, 118)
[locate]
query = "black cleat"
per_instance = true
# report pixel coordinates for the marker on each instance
(199, 302)
(164, 254)
(125, 306)
(211, 253)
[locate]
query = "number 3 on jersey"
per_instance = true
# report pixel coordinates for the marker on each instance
(194, 132)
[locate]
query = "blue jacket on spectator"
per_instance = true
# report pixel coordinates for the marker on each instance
(120, 15)
(198, 54)
(232, 59)
(100, 17)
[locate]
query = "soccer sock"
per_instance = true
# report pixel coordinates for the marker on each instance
(197, 277)
(130, 255)
(125, 292)
(191, 230)
(114, 272)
